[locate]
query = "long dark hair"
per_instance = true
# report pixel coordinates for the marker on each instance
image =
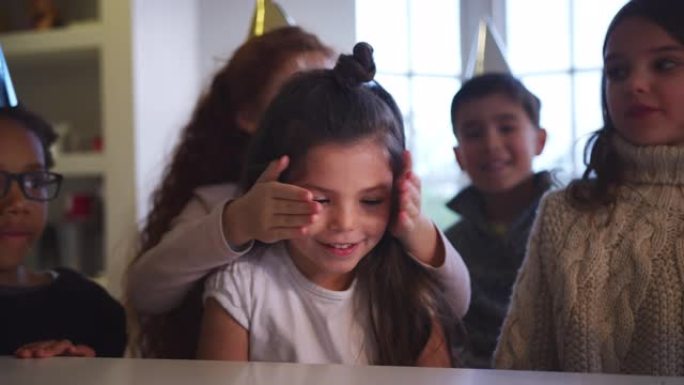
(604, 172)
(345, 106)
(212, 150)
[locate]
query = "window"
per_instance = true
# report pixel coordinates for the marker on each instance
(562, 66)
(423, 80)
(558, 56)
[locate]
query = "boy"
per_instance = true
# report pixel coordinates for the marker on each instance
(496, 122)
(52, 313)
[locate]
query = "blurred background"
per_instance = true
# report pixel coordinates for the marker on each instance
(119, 78)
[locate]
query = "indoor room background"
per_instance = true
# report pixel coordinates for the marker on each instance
(120, 78)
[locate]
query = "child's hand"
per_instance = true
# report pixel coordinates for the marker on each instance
(270, 211)
(52, 348)
(409, 215)
(413, 229)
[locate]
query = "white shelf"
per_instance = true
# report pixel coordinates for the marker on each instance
(77, 37)
(84, 164)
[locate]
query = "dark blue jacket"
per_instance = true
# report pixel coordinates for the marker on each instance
(493, 261)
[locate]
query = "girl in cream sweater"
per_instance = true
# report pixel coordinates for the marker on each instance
(602, 285)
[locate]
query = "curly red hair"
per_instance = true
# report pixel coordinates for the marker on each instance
(212, 137)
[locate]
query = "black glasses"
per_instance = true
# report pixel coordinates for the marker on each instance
(35, 185)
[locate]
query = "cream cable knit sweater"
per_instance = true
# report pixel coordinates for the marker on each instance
(604, 291)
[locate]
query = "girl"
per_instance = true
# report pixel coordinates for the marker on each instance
(355, 285)
(183, 238)
(50, 313)
(601, 289)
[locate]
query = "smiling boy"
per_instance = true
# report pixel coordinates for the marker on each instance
(496, 122)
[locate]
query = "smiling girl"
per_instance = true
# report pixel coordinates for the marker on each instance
(362, 282)
(602, 286)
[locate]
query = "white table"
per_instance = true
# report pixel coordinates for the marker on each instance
(109, 371)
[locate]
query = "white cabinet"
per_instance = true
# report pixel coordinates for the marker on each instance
(118, 80)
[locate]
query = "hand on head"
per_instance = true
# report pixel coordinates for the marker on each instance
(411, 225)
(52, 348)
(408, 211)
(270, 211)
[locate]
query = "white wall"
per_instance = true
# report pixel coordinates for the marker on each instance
(224, 25)
(178, 45)
(166, 84)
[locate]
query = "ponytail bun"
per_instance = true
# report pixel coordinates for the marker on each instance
(353, 70)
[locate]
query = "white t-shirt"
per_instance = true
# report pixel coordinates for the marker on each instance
(289, 318)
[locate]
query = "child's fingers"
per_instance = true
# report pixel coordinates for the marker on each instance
(65, 348)
(289, 192)
(289, 207)
(54, 348)
(287, 227)
(288, 221)
(43, 349)
(406, 172)
(274, 169)
(410, 208)
(33, 345)
(408, 161)
(288, 233)
(410, 179)
(401, 225)
(31, 350)
(415, 181)
(405, 221)
(412, 195)
(23, 352)
(409, 195)
(81, 351)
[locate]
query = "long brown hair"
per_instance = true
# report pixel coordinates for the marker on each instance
(212, 150)
(604, 173)
(345, 106)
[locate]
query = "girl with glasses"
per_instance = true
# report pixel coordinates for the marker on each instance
(50, 313)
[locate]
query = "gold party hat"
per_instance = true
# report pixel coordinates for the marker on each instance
(268, 15)
(487, 53)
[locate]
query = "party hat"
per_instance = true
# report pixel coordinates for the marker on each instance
(268, 15)
(8, 97)
(487, 53)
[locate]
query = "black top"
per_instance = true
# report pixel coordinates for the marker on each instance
(71, 307)
(493, 261)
